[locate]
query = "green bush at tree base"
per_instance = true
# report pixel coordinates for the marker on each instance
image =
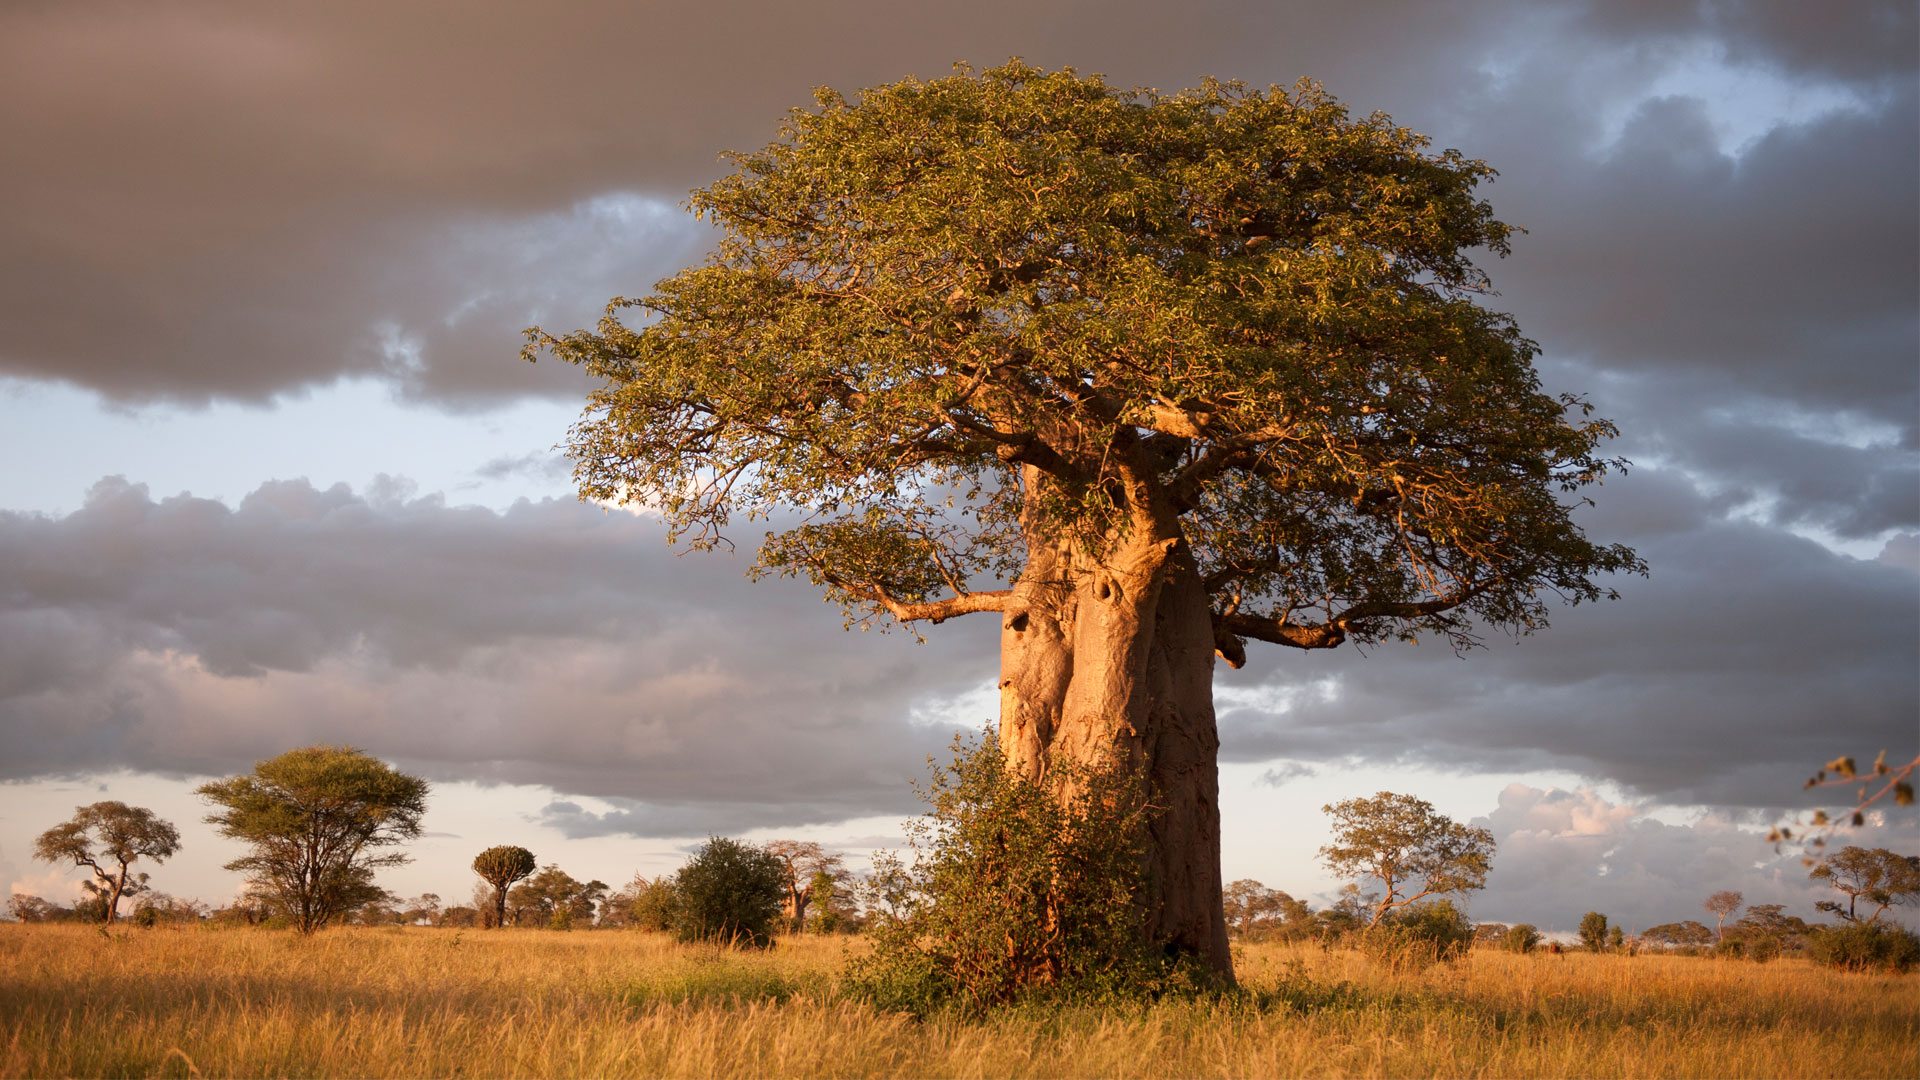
(1019, 891)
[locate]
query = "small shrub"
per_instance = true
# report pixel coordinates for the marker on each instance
(1418, 937)
(653, 906)
(1866, 947)
(1521, 938)
(728, 893)
(1593, 931)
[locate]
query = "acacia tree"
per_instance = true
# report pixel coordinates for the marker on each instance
(500, 867)
(1720, 905)
(1686, 932)
(1251, 906)
(1147, 377)
(556, 899)
(1411, 849)
(312, 819)
(1879, 876)
(108, 838)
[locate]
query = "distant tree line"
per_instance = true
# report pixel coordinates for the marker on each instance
(319, 821)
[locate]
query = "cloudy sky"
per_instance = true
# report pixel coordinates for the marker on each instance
(276, 476)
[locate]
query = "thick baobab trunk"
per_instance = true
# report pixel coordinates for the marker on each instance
(793, 908)
(1112, 665)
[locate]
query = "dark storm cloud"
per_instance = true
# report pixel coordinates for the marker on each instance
(1776, 461)
(221, 202)
(210, 201)
(1785, 274)
(560, 644)
(1870, 41)
(1750, 657)
(553, 643)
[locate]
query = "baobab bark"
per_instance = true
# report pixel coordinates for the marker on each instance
(1108, 664)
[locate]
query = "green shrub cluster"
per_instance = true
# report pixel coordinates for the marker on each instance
(1521, 938)
(728, 892)
(1758, 948)
(1017, 891)
(1866, 946)
(1593, 932)
(651, 905)
(1417, 937)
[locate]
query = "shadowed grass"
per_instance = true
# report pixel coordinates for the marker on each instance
(419, 1002)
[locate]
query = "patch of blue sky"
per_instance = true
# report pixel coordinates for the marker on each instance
(1742, 102)
(60, 440)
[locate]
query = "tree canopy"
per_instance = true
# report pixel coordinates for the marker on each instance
(1685, 932)
(1720, 905)
(1412, 850)
(312, 819)
(107, 838)
(951, 307)
(729, 893)
(555, 899)
(500, 866)
(1878, 876)
(1252, 907)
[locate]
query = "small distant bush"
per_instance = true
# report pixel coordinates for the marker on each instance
(1014, 894)
(1689, 933)
(1521, 938)
(1593, 931)
(1758, 948)
(1866, 947)
(729, 893)
(461, 916)
(653, 906)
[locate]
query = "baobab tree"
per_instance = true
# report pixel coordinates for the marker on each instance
(805, 861)
(1144, 377)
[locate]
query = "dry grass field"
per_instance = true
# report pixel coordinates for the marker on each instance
(424, 1002)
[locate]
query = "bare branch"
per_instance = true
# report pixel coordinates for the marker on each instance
(933, 611)
(1234, 625)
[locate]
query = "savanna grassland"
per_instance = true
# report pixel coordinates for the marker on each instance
(427, 1002)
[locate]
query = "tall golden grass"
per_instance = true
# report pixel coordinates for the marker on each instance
(422, 1002)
